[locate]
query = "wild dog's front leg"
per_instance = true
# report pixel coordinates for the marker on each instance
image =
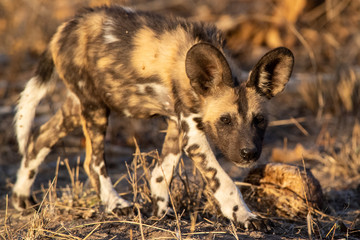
(224, 189)
(94, 121)
(162, 174)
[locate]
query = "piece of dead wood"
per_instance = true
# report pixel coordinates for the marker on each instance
(283, 190)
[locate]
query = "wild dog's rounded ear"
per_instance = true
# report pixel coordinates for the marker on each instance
(272, 72)
(207, 68)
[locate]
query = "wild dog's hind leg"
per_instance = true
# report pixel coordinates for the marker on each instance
(162, 174)
(40, 142)
(94, 120)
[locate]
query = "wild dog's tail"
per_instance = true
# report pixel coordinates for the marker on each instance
(36, 89)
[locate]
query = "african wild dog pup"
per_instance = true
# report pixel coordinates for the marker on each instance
(141, 65)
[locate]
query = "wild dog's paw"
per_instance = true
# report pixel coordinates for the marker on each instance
(160, 207)
(119, 206)
(258, 224)
(167, 212)
(21, 202)
(125, 211)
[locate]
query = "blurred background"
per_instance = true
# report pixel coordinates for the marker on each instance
(323, 34)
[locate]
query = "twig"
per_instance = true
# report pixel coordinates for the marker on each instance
(65, 229)
(172, 202)
(301, 128)
(309, 220)
(92, 231)
(309, 224)
(133, 177)
(53, 195)
(203, 233)
(61, 234)
(46, 194)
(71, 172)
(286, 121)
(306, 45)
(119, 180)
(127, 222)
(332, 229)
(77, 182)
(233, 230)
(140, 222)
(131, 180)
(6, 217)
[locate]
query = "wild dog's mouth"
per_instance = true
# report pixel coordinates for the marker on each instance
(245, 164)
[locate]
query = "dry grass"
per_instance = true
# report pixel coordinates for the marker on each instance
(337, 95)
(74, 212)
(26, 28)
(58, 205)
(341, 158)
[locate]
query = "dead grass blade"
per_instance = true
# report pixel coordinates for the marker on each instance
(46, 194)
(178, 232)
(332, 230)
(125, 222)
(307, 46)
(233, 230)
(309, 225)
(58, 235)
(301, 128)
(122, 177)
(286, 121)
(140, 222)
(92, 231)
(6, 228)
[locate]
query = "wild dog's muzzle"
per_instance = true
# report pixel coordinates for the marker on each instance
(249, 154)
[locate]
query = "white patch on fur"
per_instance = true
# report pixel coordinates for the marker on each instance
(108, 32)
(278, 79)
(196, 136)
(264, 81)
(109, 38)
(158, 89)
(128, 9)
(160, 189)
(108, 195)
(26, 108)
(23, 183)
(127, 113)
(141, 87)
(81, 84)
(228, 195)
(73, 97)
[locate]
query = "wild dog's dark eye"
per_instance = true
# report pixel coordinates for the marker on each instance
(225, 119)
(260, 120)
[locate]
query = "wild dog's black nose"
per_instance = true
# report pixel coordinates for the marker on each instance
(248, 153)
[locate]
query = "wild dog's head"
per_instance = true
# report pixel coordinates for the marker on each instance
(234, 117)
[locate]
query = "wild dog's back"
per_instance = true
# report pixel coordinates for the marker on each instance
(127, 58)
